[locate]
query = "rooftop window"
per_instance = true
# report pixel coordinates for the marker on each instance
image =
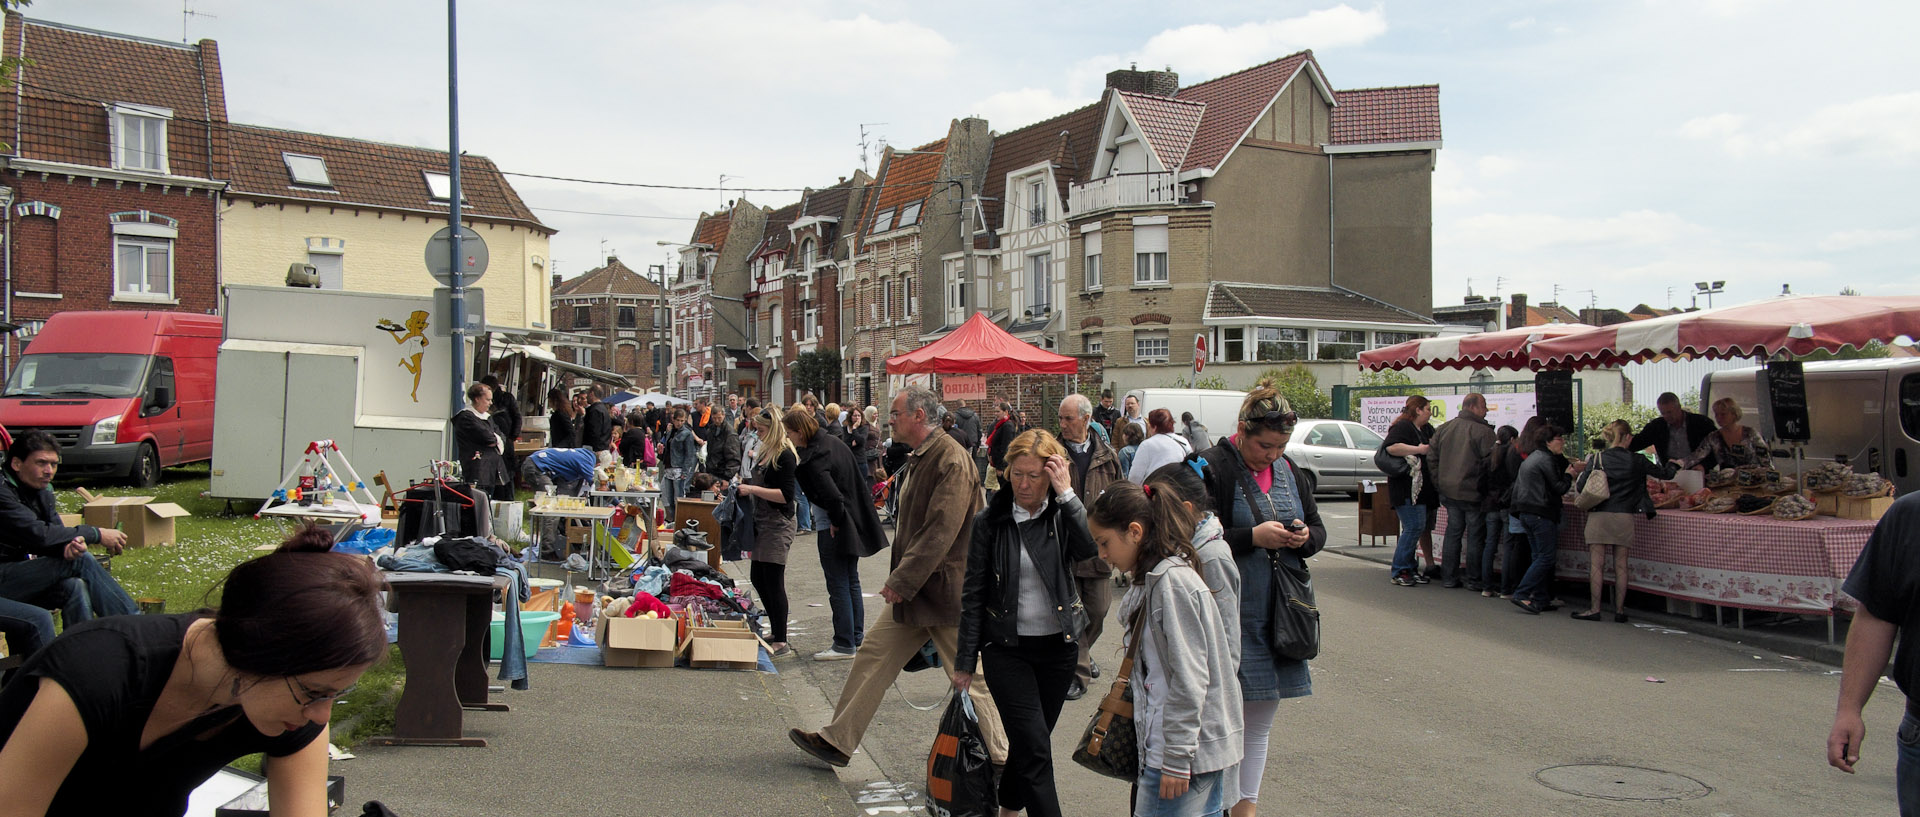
(308, 170)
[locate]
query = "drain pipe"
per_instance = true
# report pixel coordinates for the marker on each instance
(1330, 281)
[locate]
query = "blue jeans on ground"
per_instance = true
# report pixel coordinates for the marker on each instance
(1466, 521)
(1490, 561)
(25, 626)
(81, 588)
(1413, 520)
(1906, 770)
(842, 572)
(1544, 535)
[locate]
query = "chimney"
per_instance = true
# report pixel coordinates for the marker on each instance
(612, 260)
(1517, 315)
(556, 280)
(1131, 79)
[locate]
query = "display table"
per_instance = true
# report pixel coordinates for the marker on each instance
(443, 638)
(597, 516)
(1750, 562)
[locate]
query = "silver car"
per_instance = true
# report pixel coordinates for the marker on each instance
(1335, 454)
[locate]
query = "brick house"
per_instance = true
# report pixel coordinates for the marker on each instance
(115, 150)
(1023, 229)
(794, 307)
(708, 299)
(361, 213)
(1251, 209)
(623, 310)
(766, 279)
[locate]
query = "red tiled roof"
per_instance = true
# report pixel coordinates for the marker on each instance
(59, 116)
(1234, 102)
(712, 229)
(1543, 315)
(903, 180)
(1168, 124)
(1067, 141)
(375, 174)
(614, 278)
(1387, 115)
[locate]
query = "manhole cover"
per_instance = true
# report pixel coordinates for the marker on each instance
(1610, 782)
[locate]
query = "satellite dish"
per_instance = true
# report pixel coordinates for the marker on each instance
(302, 275)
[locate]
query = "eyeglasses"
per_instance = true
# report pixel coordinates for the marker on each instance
(1272, 415)
(313, 697)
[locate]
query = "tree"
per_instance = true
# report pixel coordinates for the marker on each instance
(817, 371)
(1302, 390)
(1401, 383)
(1873, 349)
(1212, 381)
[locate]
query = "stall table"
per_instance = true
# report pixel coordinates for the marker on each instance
(1747, 562)
(443, 637)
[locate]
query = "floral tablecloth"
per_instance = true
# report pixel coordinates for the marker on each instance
(1756, 562)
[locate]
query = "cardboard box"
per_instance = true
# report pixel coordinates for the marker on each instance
(1869, 508)
(72, 520)
(145, 522)
(635, 642)
(1826, 503)
(722, 648)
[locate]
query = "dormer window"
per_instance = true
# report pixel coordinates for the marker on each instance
(139, 137)
(806, 255)
(307, 171)
(440, 187)
(883, 221)
(910, 215)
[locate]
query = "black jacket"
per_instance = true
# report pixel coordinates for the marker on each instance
(723, 452)
(506, 417)
(1226, 466)
(632, 446)
(30, 523)
(1657, 433)
(969, 425)
(990, 597)
(1003, 433)
(563, 431)
(476, 447)
(596, 427)
(1506, 461)
(1541, 485)
(830, 477)
(1627, 474)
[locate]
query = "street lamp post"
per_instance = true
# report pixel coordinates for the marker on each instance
(1709, 289)
(6, 300)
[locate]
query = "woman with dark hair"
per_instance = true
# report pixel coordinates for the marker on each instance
(1188, 479)
(1412, 496)
(129, 714)
(1186, 695)
(563, 430)
(830, 477)
(478, 445)
(1129, 445)
(864, 442)
(1020, 610)
(1537, 491)
(1507, 459)
(1164, 446)
(1268, 514)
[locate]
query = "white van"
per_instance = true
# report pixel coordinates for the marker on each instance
(1867, 411)
(1217, 409)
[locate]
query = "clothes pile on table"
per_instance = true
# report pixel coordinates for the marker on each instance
(475, 555)
(681, 579)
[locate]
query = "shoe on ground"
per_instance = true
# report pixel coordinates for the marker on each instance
(1093, 668)
(1620, 618)
(1548, 607)
(813, 744)
(1488, 594)
(832, 655)
(1404, 579)
(785, 651)
(1076, 690)
(1476, 587)
(1588, 615)
(1527, 607)
(1452, 585)
(1422, 578)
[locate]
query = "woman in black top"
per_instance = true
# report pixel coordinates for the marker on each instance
(129, 714)
(479, 447)
(563, 430)
(1537, 491)
(830, 478)
(1412, 505)
(772, 486)
(1611, 522)
(1020, 610)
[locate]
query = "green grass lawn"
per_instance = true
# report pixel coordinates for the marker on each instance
(207, 545)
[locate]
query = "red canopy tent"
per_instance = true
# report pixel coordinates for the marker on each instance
(1797, 325)
(980, 347)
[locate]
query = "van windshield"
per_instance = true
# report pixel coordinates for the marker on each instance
(64, 374)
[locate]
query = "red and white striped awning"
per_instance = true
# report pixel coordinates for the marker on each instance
(1505, 349)
(1796, 325)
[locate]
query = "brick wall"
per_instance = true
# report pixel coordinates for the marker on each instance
(73, 257)
(1120, 309)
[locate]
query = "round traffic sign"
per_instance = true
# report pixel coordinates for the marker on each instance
(473, 256)
(1199, 353)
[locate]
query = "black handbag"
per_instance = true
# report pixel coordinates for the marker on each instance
(1389, 464)
(1292, 612)
(1110, 746)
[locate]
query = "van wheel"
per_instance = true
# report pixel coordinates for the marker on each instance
(146, 468)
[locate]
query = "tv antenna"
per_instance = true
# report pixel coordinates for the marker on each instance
(187, 14)
(1498, 284)
(723, 186)
(864, 143)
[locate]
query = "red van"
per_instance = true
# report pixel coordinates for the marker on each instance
(125, 393)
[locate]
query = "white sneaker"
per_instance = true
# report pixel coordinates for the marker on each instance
(832, 655)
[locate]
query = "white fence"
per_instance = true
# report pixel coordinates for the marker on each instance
(1122, 191)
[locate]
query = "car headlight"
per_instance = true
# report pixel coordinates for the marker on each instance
(107, 431)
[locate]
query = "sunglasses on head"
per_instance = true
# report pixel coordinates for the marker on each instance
(1273, 414)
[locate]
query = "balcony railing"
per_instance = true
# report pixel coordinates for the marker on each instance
(1127, 190)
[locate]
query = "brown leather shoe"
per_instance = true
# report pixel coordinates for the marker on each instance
(813, 744)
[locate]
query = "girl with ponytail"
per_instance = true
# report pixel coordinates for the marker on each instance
(1186, 695)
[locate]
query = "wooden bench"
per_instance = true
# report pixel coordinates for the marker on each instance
(443, 637)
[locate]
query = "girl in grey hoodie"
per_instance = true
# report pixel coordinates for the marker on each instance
(1187, 713)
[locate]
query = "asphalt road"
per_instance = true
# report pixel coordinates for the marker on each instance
(1427, 701)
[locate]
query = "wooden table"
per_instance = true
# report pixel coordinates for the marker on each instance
(701, 510)
(443, 637)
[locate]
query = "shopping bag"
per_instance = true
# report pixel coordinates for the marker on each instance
(1592, 491)
(959, 772)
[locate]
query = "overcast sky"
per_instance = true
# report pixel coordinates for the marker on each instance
(1619, 150)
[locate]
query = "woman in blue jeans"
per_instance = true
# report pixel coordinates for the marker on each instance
(1537, 491)
(1412, 496)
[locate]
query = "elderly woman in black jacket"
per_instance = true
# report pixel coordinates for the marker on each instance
(829, 475)
(1610, 524)
(478, 445)
(1020, 608)
(1544, 478)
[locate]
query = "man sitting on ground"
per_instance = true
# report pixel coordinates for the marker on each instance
(43, 562)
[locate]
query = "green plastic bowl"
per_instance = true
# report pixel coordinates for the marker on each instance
(533, 628)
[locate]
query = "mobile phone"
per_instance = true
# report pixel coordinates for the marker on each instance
(1296, 526)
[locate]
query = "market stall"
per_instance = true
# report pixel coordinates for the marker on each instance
(1505, 349)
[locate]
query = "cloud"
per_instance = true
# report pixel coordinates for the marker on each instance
(1012, 110)
(1887, 126)
(762, 43)
(1857, 239)
(1205, 50)
(1493, 167)
(1525, 232)
(1524, 22)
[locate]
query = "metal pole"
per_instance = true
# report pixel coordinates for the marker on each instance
(457, 292)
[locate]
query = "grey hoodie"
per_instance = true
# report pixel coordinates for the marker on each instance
(1187, 692)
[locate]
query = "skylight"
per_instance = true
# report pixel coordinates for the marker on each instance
(910, 215)
(883, 221)
(440, 187)
(307, 170)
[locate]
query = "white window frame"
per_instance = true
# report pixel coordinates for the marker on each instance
(305, 170)
(143, 291)
(1091, 245)
(1305, 342)
(777, 327)
(910, 214)
(807, 251)
(1378, 342)
(1154, 340)
(886, 299)
(908, 300)
(1039, 282)
(1036, 202)
(1233, 345)
(958, 283)
(1150, 265)
(812, 325)
(123, 115)
(325, 263)
(1093, 343)
(883, 220)
(1359, 346)
(440, 187)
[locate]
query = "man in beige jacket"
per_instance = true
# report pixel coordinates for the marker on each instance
(939, 497)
